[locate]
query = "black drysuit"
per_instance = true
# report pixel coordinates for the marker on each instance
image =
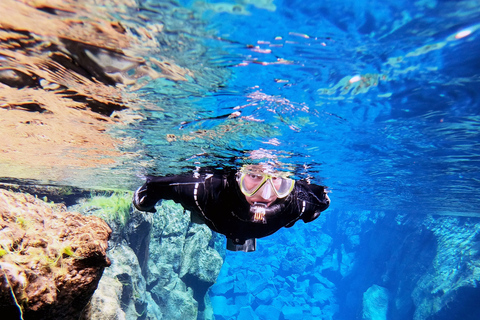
(216, 200)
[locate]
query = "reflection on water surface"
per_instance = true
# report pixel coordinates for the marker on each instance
(377, 101)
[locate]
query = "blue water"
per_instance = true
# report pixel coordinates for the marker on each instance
(378, 100)
(375, 99)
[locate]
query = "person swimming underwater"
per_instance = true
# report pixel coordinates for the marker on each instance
(252, 203)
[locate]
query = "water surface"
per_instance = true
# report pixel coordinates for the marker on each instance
(376, 100)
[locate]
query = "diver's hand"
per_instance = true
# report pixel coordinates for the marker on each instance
(141, 200)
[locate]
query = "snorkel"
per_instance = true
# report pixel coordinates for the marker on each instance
(260, 212)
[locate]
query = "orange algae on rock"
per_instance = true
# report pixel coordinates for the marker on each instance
(51, 260)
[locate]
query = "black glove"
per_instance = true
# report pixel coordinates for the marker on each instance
(142, 202)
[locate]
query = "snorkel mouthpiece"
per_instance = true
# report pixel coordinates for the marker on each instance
(258, 211)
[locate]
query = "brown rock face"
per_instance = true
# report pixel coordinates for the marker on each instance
(50, 260)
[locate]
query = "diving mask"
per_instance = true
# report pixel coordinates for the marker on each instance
(252, 181)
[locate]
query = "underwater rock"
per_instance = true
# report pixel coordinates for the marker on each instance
(255, 282)
(375, 303)
(242, 300)
(296, 261)
(292, 313)
(67, 195)
(153, 310)
(175, 301)
(128, 300)
(323, 245)
(106, 301)
(330, 262)
(246, 313)
(267, 312)
(267, 295)
(127, 223)
(122, 289)
(321, 294)
(164, 264)
(240, 286)
(224, 285)
(222, 308)
(137, 233)
(286, 296)
(207, 312)
(281, 275)
(168, 235)
(324, 281)
(430, 266)
(51, 260)
(347, 263)
(114, 208)
(449, 289)
(201, 264)
(182, 264)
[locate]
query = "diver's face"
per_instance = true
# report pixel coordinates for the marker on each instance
(265, 194)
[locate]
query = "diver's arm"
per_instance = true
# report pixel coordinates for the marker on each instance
(177, 188)
(316, 202)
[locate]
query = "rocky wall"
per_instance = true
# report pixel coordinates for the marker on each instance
(162, 266)
(51, 260)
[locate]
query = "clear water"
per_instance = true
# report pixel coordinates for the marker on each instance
(375, 99)
(378, 100)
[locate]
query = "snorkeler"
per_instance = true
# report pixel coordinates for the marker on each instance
(252, 203)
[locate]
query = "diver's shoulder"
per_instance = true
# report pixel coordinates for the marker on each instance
(304, 184)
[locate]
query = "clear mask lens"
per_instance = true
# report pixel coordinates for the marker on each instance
(251, 183)
(267, 191)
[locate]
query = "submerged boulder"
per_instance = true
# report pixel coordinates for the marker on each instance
(162, 264)
(375, 303)
(51, 260)
(449, 289)
(121, 292)
(201, 263)
(182, 264)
